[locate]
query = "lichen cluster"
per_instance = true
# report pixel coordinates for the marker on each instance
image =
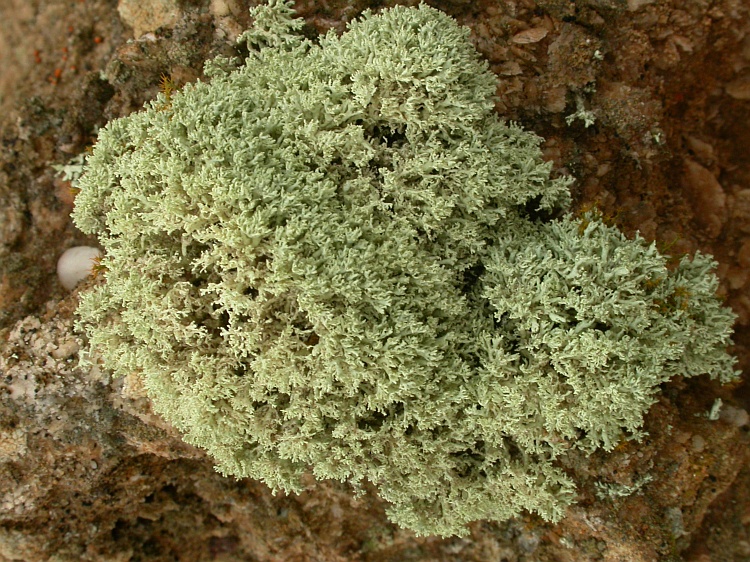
(335, 257)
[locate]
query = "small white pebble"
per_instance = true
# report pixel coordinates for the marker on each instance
(75, 265)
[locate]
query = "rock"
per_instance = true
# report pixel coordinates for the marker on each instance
(148, 15)
(706, 197)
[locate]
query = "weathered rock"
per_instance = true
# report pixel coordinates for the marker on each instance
(88, 472)
(706, 196)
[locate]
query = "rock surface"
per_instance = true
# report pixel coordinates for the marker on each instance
(87, 472)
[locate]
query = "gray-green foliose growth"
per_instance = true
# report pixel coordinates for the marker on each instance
(336, 258)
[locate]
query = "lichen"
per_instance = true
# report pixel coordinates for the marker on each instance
(335, 257)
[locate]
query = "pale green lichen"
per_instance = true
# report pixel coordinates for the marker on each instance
(336, 258)
(612, 490)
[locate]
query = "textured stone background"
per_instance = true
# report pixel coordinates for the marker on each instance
(87, 472)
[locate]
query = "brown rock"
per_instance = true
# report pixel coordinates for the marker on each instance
(533, 35)
(89, 473)
(148, 15)
(739, 89)
(706, 197)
